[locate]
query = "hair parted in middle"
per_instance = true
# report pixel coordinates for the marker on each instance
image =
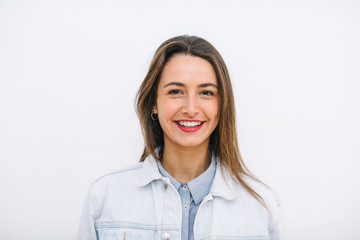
(223, 140)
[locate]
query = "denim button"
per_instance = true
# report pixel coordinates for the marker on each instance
(165, 236)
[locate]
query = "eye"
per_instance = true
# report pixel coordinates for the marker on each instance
(174, 92)
(207, 93)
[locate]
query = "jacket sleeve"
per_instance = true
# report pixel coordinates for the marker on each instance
(276, 228)
(87, 229)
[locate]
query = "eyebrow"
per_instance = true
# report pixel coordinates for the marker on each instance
(179, 84)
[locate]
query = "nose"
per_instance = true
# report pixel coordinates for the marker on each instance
(191, 106)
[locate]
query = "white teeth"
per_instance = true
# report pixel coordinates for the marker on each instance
(189, 124)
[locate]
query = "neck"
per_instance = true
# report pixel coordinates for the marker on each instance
(185, 163)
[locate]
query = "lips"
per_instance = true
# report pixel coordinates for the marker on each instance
(189, 126)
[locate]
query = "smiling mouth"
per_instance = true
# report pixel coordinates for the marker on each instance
(189, 124)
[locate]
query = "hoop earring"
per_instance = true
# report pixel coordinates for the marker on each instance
(154, 116)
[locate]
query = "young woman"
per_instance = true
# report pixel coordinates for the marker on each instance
(191, 182)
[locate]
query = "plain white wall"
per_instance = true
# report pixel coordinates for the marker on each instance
(69, 72)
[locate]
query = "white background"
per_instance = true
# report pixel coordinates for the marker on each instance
(69, 72)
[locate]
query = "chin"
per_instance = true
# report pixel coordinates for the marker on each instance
(190, 143)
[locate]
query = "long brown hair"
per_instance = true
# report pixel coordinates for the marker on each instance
(223, 140)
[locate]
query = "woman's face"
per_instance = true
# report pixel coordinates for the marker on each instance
(187, 101)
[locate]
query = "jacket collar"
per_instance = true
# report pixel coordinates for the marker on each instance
(223, 185)
(149, 171)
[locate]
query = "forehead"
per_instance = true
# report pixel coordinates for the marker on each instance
(188, 70)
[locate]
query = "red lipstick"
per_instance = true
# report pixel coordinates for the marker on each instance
(189, 129)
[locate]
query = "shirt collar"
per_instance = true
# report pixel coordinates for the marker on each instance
(164, 173)
(198, 187)
(223, 184)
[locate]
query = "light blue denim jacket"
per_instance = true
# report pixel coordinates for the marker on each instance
(139, 203)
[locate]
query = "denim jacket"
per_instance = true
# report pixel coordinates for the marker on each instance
(139, 203)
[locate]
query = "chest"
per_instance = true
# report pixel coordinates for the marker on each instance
(156, 214)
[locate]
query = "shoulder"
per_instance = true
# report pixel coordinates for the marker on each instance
(269, 196)
(117, 182)
(119, 174)
(111, 191)
(131, 181)
(237, 200)
(271, 199)
(227, 186)
(274, 206)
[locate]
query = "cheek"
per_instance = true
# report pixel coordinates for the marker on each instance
(166, 110)
(212, 109)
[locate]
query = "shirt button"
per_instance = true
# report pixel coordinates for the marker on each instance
(184, 187)
(165, 186)
(185, 206)
(165, 236)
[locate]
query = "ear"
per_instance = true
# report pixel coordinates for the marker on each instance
(155, 110)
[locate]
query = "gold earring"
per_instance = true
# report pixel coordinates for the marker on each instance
(152, 116)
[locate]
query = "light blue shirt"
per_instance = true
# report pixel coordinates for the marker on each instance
(191, 194)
